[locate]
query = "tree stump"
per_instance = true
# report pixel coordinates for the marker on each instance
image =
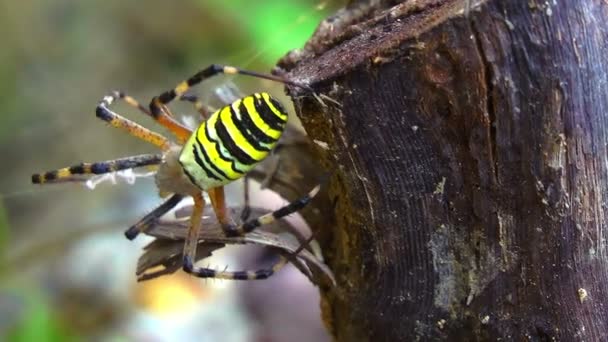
(469, 148)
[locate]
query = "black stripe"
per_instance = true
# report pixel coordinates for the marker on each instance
(167, 96)
(245, 132)
(188, 264)
(77, 169)
(218, 148)
(194, 80)
(104, 167)
(189, 98)
(215, 167)
(136, 161)
(282, 212)
(263, 274)
(103, 113)
(143, 224)
(99, 168)
(51, 175)
(231, 146)
(240, 275)
(277, 105)
(164, 98)
(36, 179)
(268, 115)
(250, 226)
(200, 163)
(206, 273)
(250, 125)
(230, 230)
(190, 177)
(217, 144)
(209, 71)
(291, 207)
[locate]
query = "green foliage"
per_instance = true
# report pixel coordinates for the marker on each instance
(275, 26)
(39, 324)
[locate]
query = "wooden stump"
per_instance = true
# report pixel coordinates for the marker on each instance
(470, 155)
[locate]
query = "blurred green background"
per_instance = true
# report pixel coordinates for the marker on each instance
(58, 58)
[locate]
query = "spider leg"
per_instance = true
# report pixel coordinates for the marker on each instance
(176, 128)
(164, 117)
(246, 212)
(144, 224)
(210, 71)
(288, 209)
(201, 272)
(158, 105)
(230, 229)
(131, 102)
(259, 274)
(198, 105)
(97, 168)
(218, 202)
(104, 113)
(192, 237)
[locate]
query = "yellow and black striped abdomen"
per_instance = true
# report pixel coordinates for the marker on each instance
(233, 140)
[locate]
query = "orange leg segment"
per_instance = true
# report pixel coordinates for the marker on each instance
(104, 113)
(218, 201)
(193, 230)
(164, 117)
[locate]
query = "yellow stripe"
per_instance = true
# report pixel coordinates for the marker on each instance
(279, 264)
(266, 219)
(238, 138)
(257, 120)
(278, 113)
(211, 148)
(230, 70)
(131, 101)
(181, 88)
(63, 173)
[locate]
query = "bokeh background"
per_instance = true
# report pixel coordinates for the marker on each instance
(66, 271)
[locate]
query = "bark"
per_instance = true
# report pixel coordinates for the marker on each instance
(470, 167)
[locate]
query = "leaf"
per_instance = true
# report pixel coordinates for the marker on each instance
(166, 251)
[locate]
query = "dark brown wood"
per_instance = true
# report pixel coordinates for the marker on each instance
(470, 158)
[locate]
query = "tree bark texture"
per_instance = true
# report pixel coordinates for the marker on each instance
(469, 149)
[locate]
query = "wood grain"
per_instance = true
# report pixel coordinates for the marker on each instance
(471, 168)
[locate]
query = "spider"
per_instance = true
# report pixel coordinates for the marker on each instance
(228, 144)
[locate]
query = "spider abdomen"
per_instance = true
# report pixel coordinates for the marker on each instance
(233, 140)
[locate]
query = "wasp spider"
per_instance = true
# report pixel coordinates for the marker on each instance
(221, 150)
